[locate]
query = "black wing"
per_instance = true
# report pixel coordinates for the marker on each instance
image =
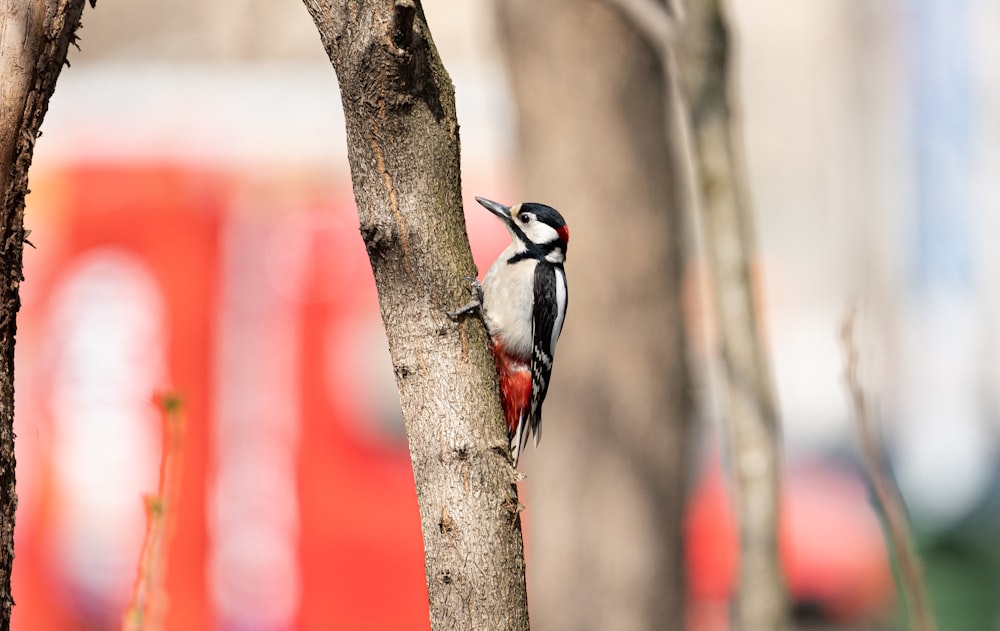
(548, 313)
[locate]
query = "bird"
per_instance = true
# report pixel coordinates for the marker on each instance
(522, 301)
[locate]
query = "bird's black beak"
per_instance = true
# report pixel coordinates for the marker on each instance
(501, 211)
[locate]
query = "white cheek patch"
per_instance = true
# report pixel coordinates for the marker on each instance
(540, 232)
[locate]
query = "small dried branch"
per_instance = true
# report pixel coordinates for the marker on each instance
(890, 504)
(148, 603)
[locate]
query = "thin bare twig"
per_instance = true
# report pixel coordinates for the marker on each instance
(889, 502)
(147, 605)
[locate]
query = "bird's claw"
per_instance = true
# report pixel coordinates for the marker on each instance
(475, 305)
(475, 288)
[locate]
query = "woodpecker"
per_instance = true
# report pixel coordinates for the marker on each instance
(523, 302)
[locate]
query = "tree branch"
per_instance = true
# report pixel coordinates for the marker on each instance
(403, 148)
(657, 23)
(888, 501)
(34, 38)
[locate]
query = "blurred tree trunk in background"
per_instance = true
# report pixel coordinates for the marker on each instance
(606, 488)
(751, 411)
(34, 38)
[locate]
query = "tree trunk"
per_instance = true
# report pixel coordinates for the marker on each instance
(753, 425)
(403, 149)
(607, 484)
(34, 38)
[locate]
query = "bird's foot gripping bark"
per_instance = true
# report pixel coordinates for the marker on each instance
(474, 306)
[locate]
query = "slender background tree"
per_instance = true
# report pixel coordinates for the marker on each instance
(606, 489)
(752, 422)
(693, 42)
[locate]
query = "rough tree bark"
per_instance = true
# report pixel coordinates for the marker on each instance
(34, 38)
(607, 484)
(403, 148)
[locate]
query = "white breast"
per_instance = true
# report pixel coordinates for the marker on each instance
(508, 296)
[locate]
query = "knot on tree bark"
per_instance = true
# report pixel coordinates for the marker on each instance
(395, 67)
(402, 32)
(379, 240)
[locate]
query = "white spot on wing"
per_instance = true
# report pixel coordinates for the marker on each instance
(560, 307)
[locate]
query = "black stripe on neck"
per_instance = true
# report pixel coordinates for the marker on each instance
(536, 251)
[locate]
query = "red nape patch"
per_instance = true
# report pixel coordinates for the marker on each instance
(563, 233)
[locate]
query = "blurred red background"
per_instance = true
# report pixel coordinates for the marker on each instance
(252, 299)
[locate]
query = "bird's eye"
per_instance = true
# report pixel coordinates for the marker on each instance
(524, 217)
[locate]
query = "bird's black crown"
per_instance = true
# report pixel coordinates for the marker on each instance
(545, 214)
